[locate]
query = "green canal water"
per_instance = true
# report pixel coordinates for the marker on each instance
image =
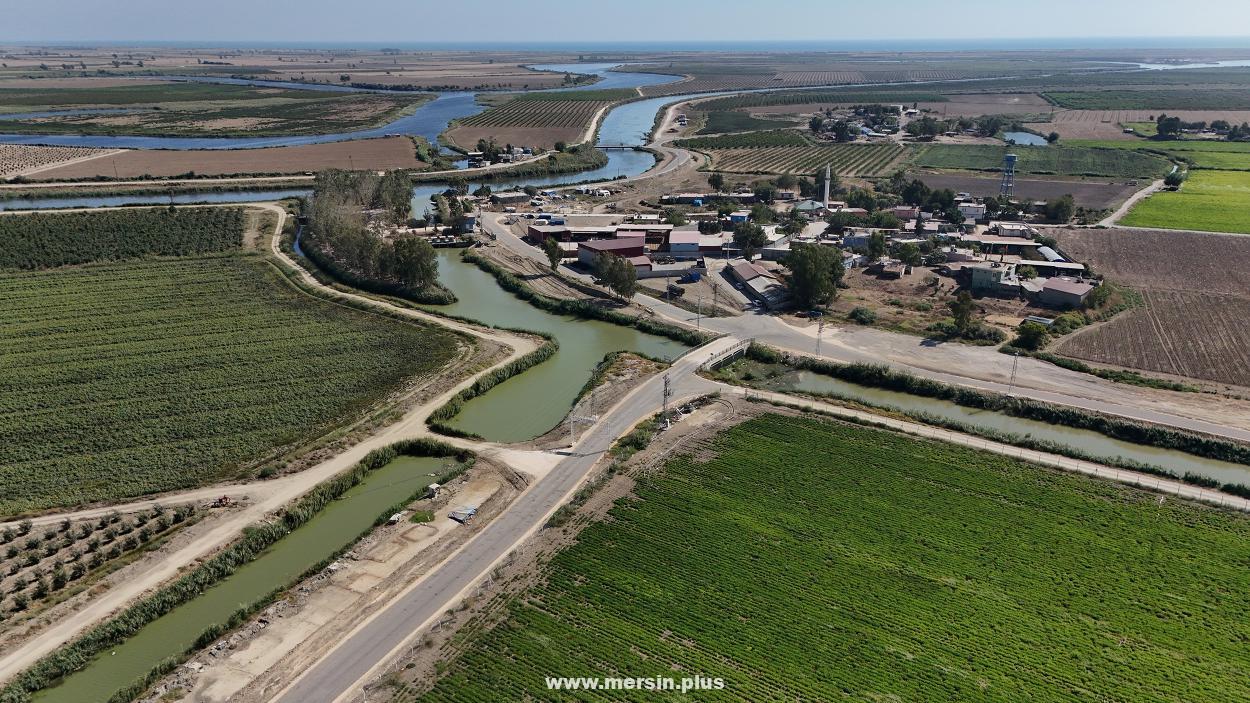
(1093, 443)
(530, 404)
(330, 530)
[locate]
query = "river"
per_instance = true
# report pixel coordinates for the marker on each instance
(329, 531)
(428, 120)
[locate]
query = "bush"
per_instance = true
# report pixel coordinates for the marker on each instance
(862, 315)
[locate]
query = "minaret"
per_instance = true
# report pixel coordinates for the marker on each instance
(827, 176)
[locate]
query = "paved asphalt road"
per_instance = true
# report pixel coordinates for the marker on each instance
(339, 674)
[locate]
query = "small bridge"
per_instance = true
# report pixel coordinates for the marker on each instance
(721, 358)
(618, 146)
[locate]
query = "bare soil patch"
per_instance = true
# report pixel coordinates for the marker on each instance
(1196, 294)
(1098, 195)
(1107, 124)
(380, 154)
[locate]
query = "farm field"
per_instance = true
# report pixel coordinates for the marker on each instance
(1157, 99)
(145, 376)
(1109, 124)
(1203, 154)
(801, 559)
(726, 121)
(1049, 160)
(194, 109)
(42, 240)
(808, 100)
(39, 565)
(1190, 323)
(1093, 194)
(855, 160)
(21, 159)
(537, 120)
(1211, 201)
(375, 154)
(1183, 333)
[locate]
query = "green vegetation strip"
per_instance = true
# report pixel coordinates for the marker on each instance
(182, 371)
(45, 240)
(811, 560)
(50, 670)
(1154, 99)
(1049, 160)
(1212, 201)
(438, 419)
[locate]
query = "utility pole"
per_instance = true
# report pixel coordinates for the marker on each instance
(668, 393)
(698, 320)
(1015, 361)
(820, 331)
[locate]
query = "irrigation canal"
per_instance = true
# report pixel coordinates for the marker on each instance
(329, 531)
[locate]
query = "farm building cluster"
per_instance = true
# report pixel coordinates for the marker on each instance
(1004, 259)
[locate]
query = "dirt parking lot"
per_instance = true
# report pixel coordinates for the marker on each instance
(380, 154)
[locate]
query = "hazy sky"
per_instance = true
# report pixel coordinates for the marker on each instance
(412, 21)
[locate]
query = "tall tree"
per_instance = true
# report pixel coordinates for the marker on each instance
(551, 247)
(395, 194)
(415, 262)
(716, 181)
(749, 238)
(814, 273)
(962, 308)
(617, 273)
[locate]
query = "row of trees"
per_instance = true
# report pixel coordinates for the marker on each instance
(339, 228)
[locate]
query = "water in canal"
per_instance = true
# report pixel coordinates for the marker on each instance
(1093, 443)
(532, 403)
(332, 529)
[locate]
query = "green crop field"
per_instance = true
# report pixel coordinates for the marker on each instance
(1049, 160)
(124, 379)
(1154, 99)
(169, 109)
(814, 561)
(1212, 154)
(49, 239)
(725, 121)
(1211, 201)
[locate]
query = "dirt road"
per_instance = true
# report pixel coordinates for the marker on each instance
(1110, 220)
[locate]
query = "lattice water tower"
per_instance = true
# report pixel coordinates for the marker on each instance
(1008, 186)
